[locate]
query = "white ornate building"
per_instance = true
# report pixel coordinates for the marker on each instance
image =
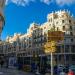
(23, 46)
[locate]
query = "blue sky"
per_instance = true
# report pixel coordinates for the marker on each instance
(20, 13)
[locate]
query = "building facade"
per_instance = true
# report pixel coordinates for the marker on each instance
(26, 47)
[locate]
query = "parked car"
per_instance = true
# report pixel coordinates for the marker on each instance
(72, 67)
(60, 68)
(62, 73)
(71, 72)
(66, 69)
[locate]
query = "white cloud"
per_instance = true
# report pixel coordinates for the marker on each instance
(65, 2)
(59, 2)
(26, 2)
(19, 2)
(46, 1)
(6, 2)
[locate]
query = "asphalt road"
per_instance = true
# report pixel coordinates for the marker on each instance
(4, 71)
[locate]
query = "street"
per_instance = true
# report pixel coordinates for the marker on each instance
(4, 71)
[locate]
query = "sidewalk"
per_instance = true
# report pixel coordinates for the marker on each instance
(8, 71)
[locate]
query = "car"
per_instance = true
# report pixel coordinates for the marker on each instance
(60, 68)
(72, 67)
(62, 73)
(66, 69)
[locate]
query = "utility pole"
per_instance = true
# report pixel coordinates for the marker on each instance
(50, 48)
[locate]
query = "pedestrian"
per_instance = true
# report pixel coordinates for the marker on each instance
(6, 63)
(70, 72)
(37, 71)
(2, 63)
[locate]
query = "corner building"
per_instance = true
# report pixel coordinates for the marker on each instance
(28, 47)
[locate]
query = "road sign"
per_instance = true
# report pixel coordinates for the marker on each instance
(55, 35)
(50, 47)
(47, 45)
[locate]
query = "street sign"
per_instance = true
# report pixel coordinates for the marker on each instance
(47, 45)
(50, 47)
(55, 35)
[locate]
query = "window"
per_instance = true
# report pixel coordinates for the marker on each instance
(62, 15)
(70, 27)
(63, 27)
(60, 56)
(41, 39)
(71, 40)
(67, 57)
(62, 48)
(56, 16)
(14, 43)
(44, 38)
(56, 22)
(67, 48)
(44, 27)
(69, 21)
(24, 45)
(71, 33)
(73, 48)
(35, 31)
(63, 21)
(58, 49)
(57, 28)
(73, 57)
(64, 33)
(74, 22)
(49, 24)
(49, 20)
